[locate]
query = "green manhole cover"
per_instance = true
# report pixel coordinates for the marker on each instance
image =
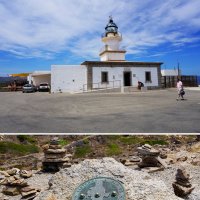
(100, 188)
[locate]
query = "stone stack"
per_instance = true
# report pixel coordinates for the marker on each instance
(28, 193)
(149, 156)
(150, 159)
(182, 186)
(55, 157)
(15, 185)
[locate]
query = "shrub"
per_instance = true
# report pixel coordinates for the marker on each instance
(113, 149)
(17, 149)
(153, 142)
(63, 142)
(27, 138)
(82, 151)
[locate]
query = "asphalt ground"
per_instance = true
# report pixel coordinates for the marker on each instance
(154, 111)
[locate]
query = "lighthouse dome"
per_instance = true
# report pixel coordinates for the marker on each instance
(111, 27)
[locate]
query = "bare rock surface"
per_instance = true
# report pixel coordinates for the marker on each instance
(138, 185)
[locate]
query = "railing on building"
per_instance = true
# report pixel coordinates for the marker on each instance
(105, 34)
(100, 85)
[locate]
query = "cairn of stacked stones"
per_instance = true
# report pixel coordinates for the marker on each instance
(15, 185)
(55, 157)
(182, 186)
(150, 157)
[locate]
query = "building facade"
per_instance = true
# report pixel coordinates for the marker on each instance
(112, 71)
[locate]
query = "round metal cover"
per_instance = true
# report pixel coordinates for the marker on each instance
(100, 188)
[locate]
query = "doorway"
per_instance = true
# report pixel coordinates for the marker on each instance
(127, 79)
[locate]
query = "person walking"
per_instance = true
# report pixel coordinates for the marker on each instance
(180, 90)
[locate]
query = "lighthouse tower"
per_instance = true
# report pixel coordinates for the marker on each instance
(112, 38)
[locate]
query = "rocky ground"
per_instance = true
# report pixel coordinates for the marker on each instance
(139, 183)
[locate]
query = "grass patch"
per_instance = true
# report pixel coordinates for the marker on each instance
(153, 142)
(17, 149)
(113, 149)
(128, 140)
(27, 138)
(63, 142)
(81, 152)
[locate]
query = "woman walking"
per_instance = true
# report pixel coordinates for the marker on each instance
(181, 92)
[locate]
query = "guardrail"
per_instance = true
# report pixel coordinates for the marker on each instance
(100, 85)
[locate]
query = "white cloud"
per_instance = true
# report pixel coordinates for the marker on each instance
(36, 28)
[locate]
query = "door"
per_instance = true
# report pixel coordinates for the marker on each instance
(127, 79)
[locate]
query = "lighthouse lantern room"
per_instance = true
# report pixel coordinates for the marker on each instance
(112, 38)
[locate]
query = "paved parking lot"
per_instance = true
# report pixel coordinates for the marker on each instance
(145, 112)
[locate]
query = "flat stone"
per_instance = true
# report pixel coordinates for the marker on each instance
(55, 151)
(4, 173)
(162, 162)
(25, 174)
(147, 146)
(13, 171)
(147, 152)
(56, 160)
(2, 177)
(128, 163)
(3, 197)
(28, 192)
(54, 156)
(196, 162)
(29, 197)
(134, 159)
(11, 191)
(55, 147)
(152, 169)
(66, 165)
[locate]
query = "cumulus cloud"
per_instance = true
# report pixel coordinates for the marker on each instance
(36, 28)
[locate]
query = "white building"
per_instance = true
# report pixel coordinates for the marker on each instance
(112, 71)
(38, 77)
(170, 72)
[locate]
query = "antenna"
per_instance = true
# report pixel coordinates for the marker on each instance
(178, 68)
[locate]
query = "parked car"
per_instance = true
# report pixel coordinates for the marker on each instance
(44, 87)
(29, 88)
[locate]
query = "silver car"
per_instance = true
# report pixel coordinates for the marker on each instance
(44, 87)
(29, 88)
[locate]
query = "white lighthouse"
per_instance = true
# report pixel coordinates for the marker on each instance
(112, 38)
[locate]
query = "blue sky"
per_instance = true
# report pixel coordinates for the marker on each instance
(35, 34)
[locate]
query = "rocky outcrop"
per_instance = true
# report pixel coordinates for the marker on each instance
(182, 186)
(138, 185)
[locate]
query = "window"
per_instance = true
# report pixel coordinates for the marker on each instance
(104, 77)
(148, 76)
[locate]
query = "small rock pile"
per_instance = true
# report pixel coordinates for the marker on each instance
(182, 186)
(15, 184)
(150, 158)
(55, 157)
